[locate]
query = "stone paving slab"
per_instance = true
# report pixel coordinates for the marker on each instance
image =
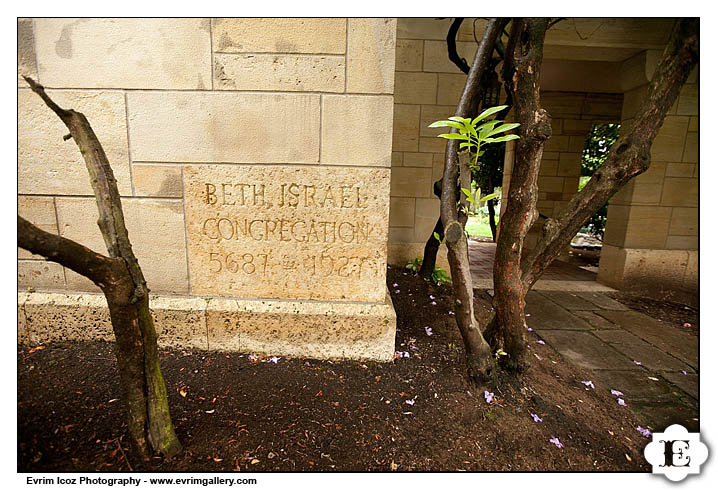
(651, 358)
(618, 336)
(657, 333)
(687, 383)
(634, 384)
(570, 301)
(545, 314)
(586, 350)
(595, 320)
(604, 302)
(660, 416)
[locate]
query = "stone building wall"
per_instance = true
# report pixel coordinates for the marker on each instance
(252, 156)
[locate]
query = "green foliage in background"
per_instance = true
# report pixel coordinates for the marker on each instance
(437, 276)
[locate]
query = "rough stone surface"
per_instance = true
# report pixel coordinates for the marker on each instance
(357, 130)
(311, 329)
(405, 136)
(669, 339)
(650, 357)
(586, 350)
(49, 165)
(545, 314)
(687, 383)
(287, 232)
(54, 317)
(371, 52)
(224, 127)
(298, 73)
(594, 319)
(26, 64)
(124, 53)
(279, 35)
(570, 301)
(156, 231)
(161, 181)
(635, 384)
(180, 322)
(40, 274)
(40, 211)
(602, 301)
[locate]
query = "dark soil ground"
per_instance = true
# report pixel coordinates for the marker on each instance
(307, 415)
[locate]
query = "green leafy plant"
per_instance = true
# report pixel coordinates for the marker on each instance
(438, 275)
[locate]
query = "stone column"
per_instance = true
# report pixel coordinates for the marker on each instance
(651, 240)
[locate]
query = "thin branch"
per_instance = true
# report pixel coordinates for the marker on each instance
(451, 45)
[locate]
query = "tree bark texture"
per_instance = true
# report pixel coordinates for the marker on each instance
(431, 248)
(479, 356)
(121, 280)
(521, 76)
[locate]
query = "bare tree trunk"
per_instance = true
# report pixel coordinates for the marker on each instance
(479, 356)
(121, 280)
(629, 156)
(521, 75)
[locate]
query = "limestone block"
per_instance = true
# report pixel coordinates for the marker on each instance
(577, 143)
(279, 35)
(357, 130)
(411, 182)
(294, 73)
(437, 167)
(180, 321)
(602, 106)
(162, 181)
(436, 59)
(548, 167)
(616, 225)
(570, 185)
(224, 127)
(78, 283)
(40, 211)
(432, 145)
(429, 114)
(40, 275)
(60, 317)
(137, 53)
(569, 164)
(550, 184)
(287, 231)
(688, 100)
(579, 127)
(49, 165)
(693, 124)
(647, 187)
(156, 231)
(422, 28)
(409, 55)
(668, 145)
(451, 86)
(557, 143)
(371, 51)
(678, 191)
(400, 235)
(563, 104)
(654, 269)
(632, 99)
(427, 212)
(676, 169)
(412, 159)
(647, 227)
(682, 242)
(415, 88)
(611, 265)
(400, 254)
(684, 221)
(690, 151)
(405, 137)
(397, 159)
(307, 329)
(26, 64)
(401, 212)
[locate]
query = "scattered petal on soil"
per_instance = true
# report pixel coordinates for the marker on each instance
(428, 331)
(275, 359)
(409, 402)
(489, 396)
(638, 363)
(536, 418)
(643, 431)
(621, 402)
(616, 392)
(540, 341)
(588, 383)
(556, 442)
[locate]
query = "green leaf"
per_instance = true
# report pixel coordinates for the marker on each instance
(504, 138)
(486, 128)
(488, 112)
(503, 128)
(488, 197)
(436, 236)
(459, 120)
(443, 124)
(452, 136)
(469, 196)
(466, 144)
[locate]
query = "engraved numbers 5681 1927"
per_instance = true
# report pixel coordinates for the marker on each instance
(322, 264)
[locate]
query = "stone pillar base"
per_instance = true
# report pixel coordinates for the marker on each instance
(312, 329)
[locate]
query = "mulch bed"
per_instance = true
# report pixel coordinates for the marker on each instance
(307, 415)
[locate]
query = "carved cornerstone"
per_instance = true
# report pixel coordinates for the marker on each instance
(292, 232)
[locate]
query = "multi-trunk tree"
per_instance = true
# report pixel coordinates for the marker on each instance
(121, 280)
(515, 269)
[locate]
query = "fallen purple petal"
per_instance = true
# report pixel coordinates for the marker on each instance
(397, 291)
(428, 331)
(432, 297)
(588, 383)
(275, 359)
(536, 418)
(409, 402)
(489, 396)
(684, 372)
(616, 392)
(433, 303)
(252, 357)
(395, 285)
(621, 402)
(541, 341)
(643, 431)
(451, 312)
(438, 283)
(638, 363)
(556, 442)
(529, 329)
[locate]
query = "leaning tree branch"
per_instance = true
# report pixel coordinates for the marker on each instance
(68, 253)
(451, 45)
(629, 156)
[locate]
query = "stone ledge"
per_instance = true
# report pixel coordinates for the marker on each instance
(315, 329)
